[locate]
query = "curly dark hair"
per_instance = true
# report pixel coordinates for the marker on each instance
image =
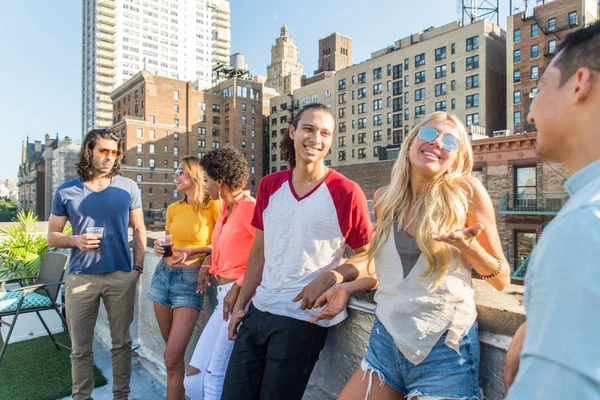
(84, 166)
(228, 164)
(287, 144)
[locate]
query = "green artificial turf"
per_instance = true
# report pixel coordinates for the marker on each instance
(35, 370)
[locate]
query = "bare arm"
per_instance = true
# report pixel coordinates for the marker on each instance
(252, 278)
(56, 237)
(136, 220)
(513, 357)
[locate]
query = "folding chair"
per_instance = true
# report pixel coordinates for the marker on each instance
(41, 295)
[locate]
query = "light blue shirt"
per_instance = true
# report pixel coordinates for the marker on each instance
(561, 353)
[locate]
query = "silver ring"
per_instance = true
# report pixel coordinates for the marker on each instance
(226, 309)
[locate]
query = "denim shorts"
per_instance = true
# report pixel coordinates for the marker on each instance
(175, 286)
(443, 374)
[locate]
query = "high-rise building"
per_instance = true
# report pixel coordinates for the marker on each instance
(533, 36)
(335, 53)
(181, 40)
(284, 74)
(453, 68)
(182, 121)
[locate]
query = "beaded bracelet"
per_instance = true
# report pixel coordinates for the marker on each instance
(495, 273)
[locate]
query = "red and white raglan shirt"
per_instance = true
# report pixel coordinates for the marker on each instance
(304, 236)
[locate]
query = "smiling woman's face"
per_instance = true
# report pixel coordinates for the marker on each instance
(431, 158)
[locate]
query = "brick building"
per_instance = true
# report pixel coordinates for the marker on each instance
(335, 53)
(163, 119)
(526, 192)
(532, 38)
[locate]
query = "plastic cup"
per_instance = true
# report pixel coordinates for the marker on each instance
(166, 242)
(97, 231)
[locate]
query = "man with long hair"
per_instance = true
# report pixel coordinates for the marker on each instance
(100, 265)
(558, 350)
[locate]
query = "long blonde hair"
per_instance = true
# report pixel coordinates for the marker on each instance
(191, 165)
(440, 209)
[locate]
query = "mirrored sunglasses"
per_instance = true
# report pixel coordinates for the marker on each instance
(428, 134)
(105, 152)
(178, 172)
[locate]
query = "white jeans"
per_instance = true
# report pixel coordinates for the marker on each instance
(211, 355)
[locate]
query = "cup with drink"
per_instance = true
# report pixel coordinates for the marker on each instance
(96, 231)
(166, 242)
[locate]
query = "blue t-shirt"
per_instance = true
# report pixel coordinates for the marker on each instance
(108, 209)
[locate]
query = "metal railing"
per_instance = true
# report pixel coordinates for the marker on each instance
(543, 203)
(518, 267)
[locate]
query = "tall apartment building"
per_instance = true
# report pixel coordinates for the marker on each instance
(163, 119)
(459, 69)
(335, 53)
(284, 74)
(181, 40)
(533, 36)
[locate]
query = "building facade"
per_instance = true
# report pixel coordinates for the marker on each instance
(451, 68)
(335, 53)
(532, 39)
(284, 74)
(162, 119)
(181, 40)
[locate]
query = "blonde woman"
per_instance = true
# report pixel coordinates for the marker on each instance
(435, 224)
(174, 285)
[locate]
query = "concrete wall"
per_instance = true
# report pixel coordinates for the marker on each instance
(346, 343)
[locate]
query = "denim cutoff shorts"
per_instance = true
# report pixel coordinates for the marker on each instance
(175, 286)
(443, 374)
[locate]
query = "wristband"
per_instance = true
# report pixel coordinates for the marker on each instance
(138, 269)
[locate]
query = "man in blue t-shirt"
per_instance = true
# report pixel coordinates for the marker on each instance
(100, 265)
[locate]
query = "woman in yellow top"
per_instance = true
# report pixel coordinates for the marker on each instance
(190, 222)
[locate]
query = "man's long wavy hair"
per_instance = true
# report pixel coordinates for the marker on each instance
(440, 209)
(85, 166)
(201, 197)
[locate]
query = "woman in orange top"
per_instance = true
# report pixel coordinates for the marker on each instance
(177, 304)
(226, 175)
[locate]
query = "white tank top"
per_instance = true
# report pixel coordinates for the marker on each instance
(415, 315)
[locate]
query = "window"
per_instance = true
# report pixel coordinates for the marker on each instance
(342, 112)
(176, 122)
(377, 73)
(243, 144)
(453, 48)
(525, 187)
(552, 47)
(406, 114)
(216, 108)
(342, 84)
(397, 71)
(440, 89)
(517, 97)
(152, 134)
(473, 43)
(176, 94)
(440, 106)
(362, 153)
(573, 18)
(176, 137)
(176, 108)
(201, 106)
(534, 72)
(406, 64)
(341, 141)
(377, 104)
(517, 76)
(362, 93)
(523, 245)
(140, 133)
(517, 117)
(362, 138)
(440, 71)
(440, 53)
(453, 67)
(342, 98)
(376, 136)
(389, 101)
(376, 151)
(535, 30)
(397, 138)
(552, 24)
(419, 60)
(175, 150)
(453, 104)
(377, 120)
(406, 80)
(389, 86)
(216, 145)
(342, 155)
(397, 88)
(473, 100)
(362, 123)
(472, 119)
(472, 62)
(453, 84)
(420, 94)
(397, 120)
(377, 89)
(472, 81)
(140, 162)
(406, 99)
(202, 143)
(362, 108)
(420, 77)
(517, 36)
(244, 107)
(140, 148)
(397, 104)
(419, 111)
(517, 56)
(151, 148)
(535, 51)
(138, 176)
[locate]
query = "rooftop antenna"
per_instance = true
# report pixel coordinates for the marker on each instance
(472, 11)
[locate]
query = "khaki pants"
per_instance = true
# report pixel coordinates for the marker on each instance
(117, 290)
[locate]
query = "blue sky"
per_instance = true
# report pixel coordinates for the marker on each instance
(40, 45)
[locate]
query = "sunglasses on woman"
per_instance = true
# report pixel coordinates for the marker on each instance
(178, 172)
(428, 134)
(105, 152)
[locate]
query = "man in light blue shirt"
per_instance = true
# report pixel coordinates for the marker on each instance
(560, 346)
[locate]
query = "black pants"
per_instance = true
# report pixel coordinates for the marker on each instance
(272, 358)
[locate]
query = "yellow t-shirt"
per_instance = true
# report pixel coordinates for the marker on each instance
(190, 228)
